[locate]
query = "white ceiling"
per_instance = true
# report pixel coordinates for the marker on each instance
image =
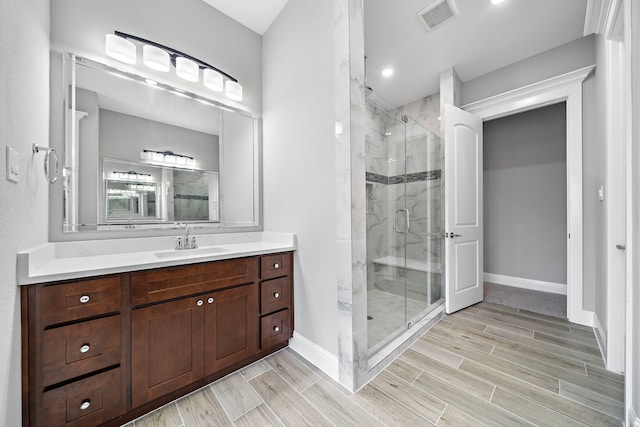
(482, 38)
(254, 14)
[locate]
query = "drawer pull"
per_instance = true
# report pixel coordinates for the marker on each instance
(199, 303)
(84, 299)
(276, 295)
(84, 348)
(276, 265)
(85, 404)
(210, 300)
(276, 328)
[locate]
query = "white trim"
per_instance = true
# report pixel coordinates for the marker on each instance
(522, 283)
(326, 361)
(615, 203)
(597, 16)
(564, 88)
(528, 97)
(631, 375)
(601, 337)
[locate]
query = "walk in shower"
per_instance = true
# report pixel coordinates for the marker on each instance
(405, 217)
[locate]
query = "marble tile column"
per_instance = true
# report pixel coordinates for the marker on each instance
(350, 191)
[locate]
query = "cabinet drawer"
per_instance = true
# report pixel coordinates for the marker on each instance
(74, 350)
(169, 283)
(77, 300)
(275, 295)
(90, 401)
(275, 329)
(275, 265)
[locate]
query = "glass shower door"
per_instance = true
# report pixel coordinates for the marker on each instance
(404, 224)
(388, 221)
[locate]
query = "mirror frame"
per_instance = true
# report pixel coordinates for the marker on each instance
(59, 131)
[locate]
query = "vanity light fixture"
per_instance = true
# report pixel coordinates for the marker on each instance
(120, 49)
(156, 58)
(187, 69)
(168, 157)
(387, 72)
(212, 79)
(233, 90)
(159, 57)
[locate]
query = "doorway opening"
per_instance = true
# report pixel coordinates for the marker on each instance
(525, 210)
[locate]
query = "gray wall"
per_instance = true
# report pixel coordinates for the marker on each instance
(123, 137)
(571, 56)
(299, 154)
(525, 195)
(562, 59)
(24, 119)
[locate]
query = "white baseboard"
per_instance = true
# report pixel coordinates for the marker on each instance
(601, 337)
(519, 282)
(582, 317)
(324, 360)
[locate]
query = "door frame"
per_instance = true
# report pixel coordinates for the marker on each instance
(563, 88)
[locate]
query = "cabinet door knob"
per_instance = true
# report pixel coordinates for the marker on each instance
(199, 303)
(210, 300)
(276, 265)
(276, 328)
(84, 299)
(84, 348)
(276, 295)
(85, 404)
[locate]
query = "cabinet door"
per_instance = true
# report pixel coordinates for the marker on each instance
(231, 327)
(167, 348)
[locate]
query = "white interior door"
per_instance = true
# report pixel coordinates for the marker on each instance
(463, 209)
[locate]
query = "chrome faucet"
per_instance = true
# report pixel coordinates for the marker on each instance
(187, 241)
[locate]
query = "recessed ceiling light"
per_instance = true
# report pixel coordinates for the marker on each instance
(387, 72)
(496, 1)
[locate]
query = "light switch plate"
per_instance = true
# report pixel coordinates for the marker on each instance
(13, 165)
(601, 193)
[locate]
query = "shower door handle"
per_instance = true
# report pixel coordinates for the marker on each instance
(407, 222)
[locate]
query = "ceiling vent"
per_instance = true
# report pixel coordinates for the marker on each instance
(437, 13)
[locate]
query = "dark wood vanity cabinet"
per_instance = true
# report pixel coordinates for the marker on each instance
(106, 350)
(176, 343)
(74, 352)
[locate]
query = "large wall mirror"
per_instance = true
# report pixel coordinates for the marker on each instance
(140, 154)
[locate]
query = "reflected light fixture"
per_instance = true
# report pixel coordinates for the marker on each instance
(160, 57)
(496, 1)
(120, 49)
(168, 158)
(156, 58)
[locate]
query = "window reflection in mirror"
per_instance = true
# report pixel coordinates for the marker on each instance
(143, 153)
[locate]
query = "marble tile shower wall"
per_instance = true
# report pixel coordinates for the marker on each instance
(386, 162)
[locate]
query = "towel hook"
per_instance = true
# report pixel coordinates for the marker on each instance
(48, 152)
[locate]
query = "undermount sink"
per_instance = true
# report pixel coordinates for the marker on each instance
(189, 252)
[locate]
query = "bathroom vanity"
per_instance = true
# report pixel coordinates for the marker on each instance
(103, 349)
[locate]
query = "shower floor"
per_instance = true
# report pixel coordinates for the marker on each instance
(386, 314)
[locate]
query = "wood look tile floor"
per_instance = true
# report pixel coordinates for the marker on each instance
(487, 365)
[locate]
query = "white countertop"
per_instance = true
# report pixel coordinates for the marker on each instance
(71, 260)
